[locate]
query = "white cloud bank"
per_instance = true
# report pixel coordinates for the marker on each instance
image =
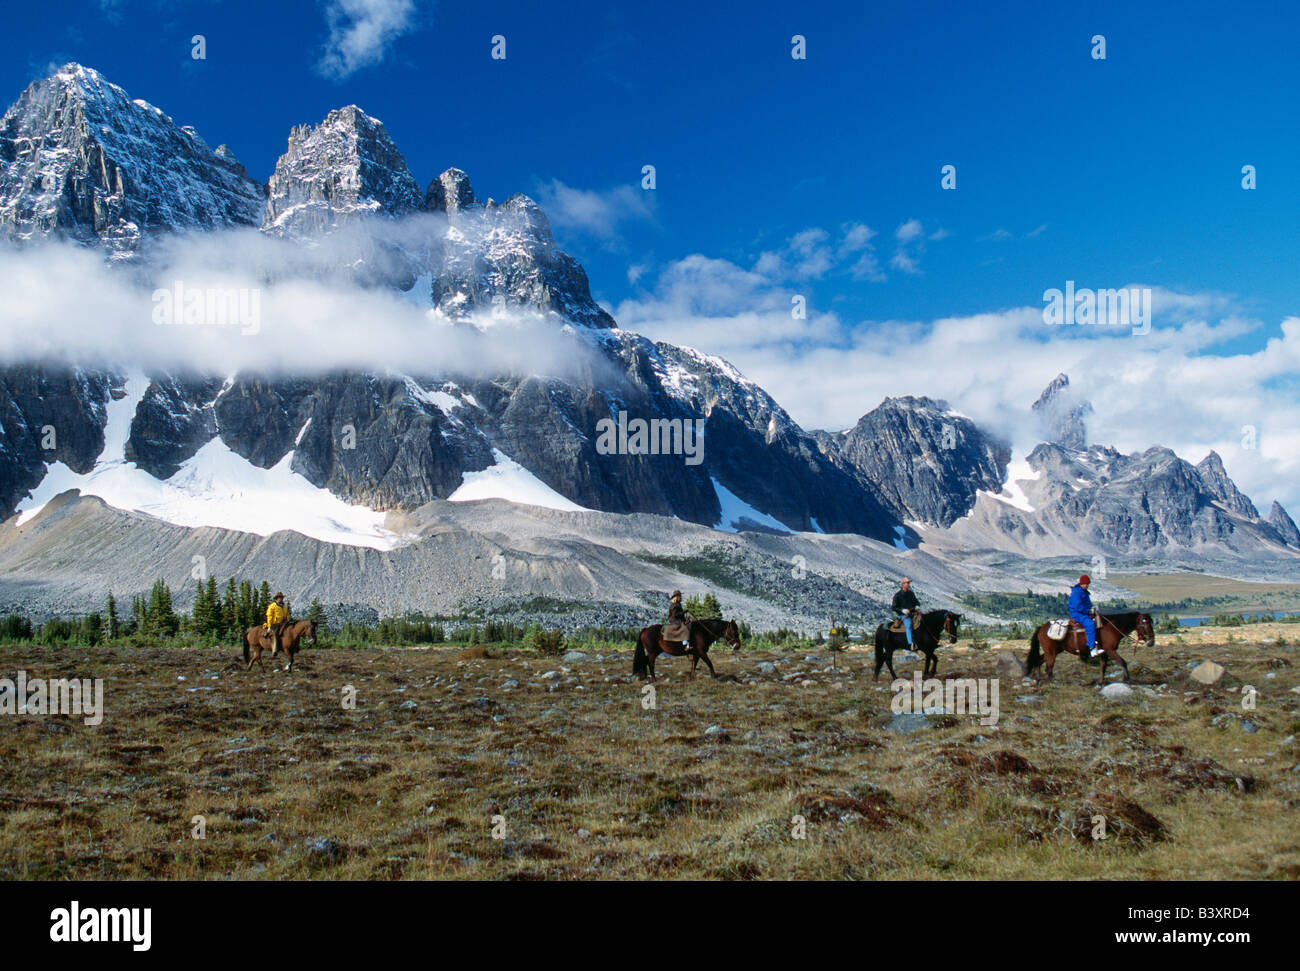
(1174, 386)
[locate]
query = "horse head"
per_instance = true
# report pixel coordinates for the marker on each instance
(1145, 631)
(731, 634)
(951, 622)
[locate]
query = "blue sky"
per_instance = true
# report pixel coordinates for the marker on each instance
(819, 177)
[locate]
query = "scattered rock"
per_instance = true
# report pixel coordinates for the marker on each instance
(907, 724)
(551, 676)
(1117, 692)
(323, 848)
(1207, 672)
(1009, 665)
(716, 732)
(574, 657)
(767, 667)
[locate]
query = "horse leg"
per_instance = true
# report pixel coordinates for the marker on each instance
(1049, 658)
(705, 655)
(695, 659)
(1101, 678)
(889, 661)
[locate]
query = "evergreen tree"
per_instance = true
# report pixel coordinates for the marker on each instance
(230, 611)
(263, 600)
(703, 607)
(247, 606)
(214, 608)
(110, 609)
(160, 618)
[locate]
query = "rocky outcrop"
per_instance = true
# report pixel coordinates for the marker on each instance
(47, 415)
(1063, 416)
(1219, 485)
(926, 462)
(1284, 524)
(496, 256)
(345, 168)
(81, 160)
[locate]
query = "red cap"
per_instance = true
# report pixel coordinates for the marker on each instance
(1084, 580)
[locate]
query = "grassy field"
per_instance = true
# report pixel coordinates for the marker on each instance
(581, 781)
(1211, 593)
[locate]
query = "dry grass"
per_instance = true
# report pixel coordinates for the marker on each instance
(593, 786)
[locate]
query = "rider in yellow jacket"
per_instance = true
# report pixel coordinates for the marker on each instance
(276, 615)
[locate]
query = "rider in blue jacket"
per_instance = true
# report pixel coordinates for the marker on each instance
(1080, 608)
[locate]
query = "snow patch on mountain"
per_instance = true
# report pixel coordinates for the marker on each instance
(507, 479)
(735, 510)
(1013, 493)
(215, 487)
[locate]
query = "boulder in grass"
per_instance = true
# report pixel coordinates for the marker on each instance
(1117, 692)
(1207, 672)
(1010, 666)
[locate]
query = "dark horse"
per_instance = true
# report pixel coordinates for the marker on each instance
(925, 638)
(1111, 629)
(702, 633)
(290, 634)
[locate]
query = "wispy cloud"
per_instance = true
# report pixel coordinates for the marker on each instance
(361, 33)
(595, 212)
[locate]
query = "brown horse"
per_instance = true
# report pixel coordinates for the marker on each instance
(259, 640)
(1111, 629)
(650, 644)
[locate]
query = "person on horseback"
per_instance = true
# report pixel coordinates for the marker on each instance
(905, 605)
(678, 626)
(276, 617)
(1081, 611)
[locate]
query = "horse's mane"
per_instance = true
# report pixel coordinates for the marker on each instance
(1125, 615)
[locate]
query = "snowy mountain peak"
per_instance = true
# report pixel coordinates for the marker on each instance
(449, 193)
(81, 159)
(347, 166)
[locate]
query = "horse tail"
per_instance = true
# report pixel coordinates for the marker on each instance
(640, 664)
(1035, 654)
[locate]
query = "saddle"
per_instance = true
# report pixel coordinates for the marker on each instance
(896, 625)
(1069, 630)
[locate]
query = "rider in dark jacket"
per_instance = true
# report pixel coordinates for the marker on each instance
(905, 605)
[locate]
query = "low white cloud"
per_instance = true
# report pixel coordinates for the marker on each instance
(62, 303)
(361, 32)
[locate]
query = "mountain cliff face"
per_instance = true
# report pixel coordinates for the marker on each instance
(1063, 416)
(1284, 524)
(926, 462)
(389, 441)
(1222, 488)
(80, 160)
